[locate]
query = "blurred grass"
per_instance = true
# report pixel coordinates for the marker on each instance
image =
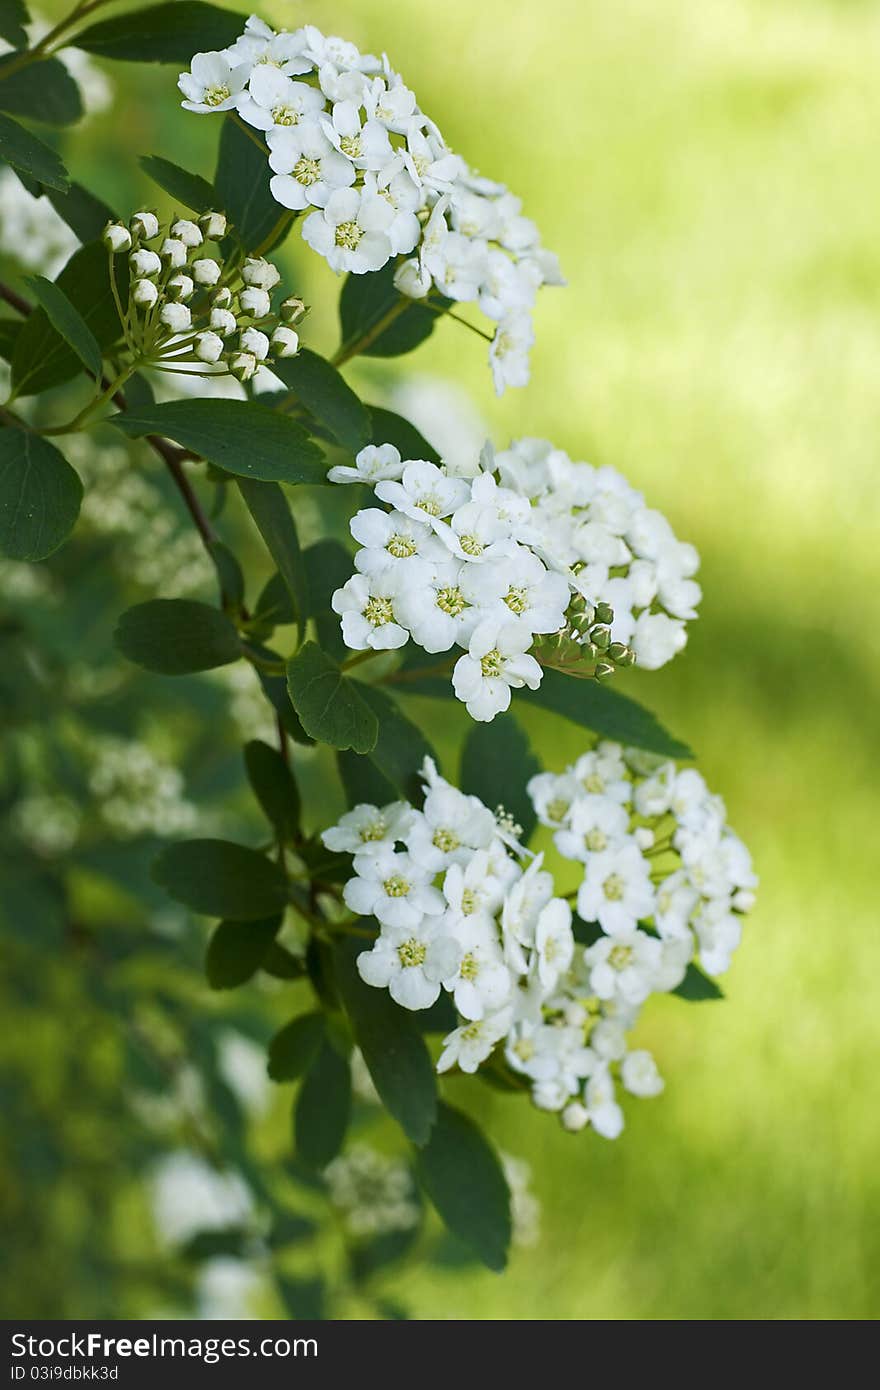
(708, 175)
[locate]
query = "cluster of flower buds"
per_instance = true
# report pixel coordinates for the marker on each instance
(190, 306)
(585, 641)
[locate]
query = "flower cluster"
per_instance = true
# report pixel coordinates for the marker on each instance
(31, 230)
(189, 306)
(474, 562)
(463, 907)
(137, 793)
(349, 147)
(373, 1193)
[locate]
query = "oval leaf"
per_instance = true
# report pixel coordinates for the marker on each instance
(190, 189)
(388, 428)
(42, 357)
(274, 787)
(496, 764)
(241, 180)
(66, 319)
(240, 437)
(323, 1108)
(330, 706)
(697, 987)
(29, 155)
(13, 17)
(461, 1174)
(326, 394)
(175, 636)
(365, 303)
(40, 496)
(222, 879)
(605, 711)
(162, 33)
(237, 950)
(293, 1049)
(268, 507)
(43, 92)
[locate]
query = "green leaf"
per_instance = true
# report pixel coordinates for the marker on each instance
(163, 33)
(9, 331)
(43, 92)
(42, 357)
(242, 184)
(175, 636)
(222, 879)
(388, 428)
(237, 950)
(13, 18)
(268, 507)
(400, 748)
(229, 574)
(364, 303)
(323, 1108)
(190, 189)
(330, 706)
(293, 1049)
(66, 319)
(362, 781)
(240, 437)
(393, 1048)
(85, 214)
(274, 787)
(697, 987)
(603, 710)
(29, 155)
(274, 605)
(463, 1177)
(213, 1244)
(328, 566)
(327, 395)
(282, 964)
(40, 496)
(496, 763)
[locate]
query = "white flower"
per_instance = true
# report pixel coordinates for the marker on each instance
(351, 231)
(624, 967)
(306, 167)
(617, 891)
(719, 932)
(253, 341)
(640, 1075)
(602, 772)
(174, 252)
(392, 104)
(444, 607)
(260, 46)
(116, 237)
(554, 942)
(273, 100)
(368, 607)
(553, 796)
(425, 492)
(481, 982)
(428, 162)
(223, 321)
(256, 302)
(596, 823)
(213, 225)
(190, 233)
(145, 263)
(524, 902)
(285, 342)
(260, 273)
(410, 961)
(205, 271)
(606, 1116)
(208, 347)
(211, 84)
(404, 199)
(366, 829)
(656, 638)
(391, 887)
(496, 662)
(393, 541)
(411, 279)
(243, 366)
(466, 1047)
(450, 827)
(145, 225)
(575, 1117)
(177, 317)
(534, 598)
(509, 352)
(372, 464)
(472, 891)
(144, 294)
(181, 287)
(362, 140)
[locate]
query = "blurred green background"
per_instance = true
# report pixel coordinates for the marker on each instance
(707, 174)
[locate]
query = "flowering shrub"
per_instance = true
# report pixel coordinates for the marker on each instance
(171, 453)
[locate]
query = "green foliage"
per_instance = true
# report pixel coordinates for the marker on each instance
(162, 33)
(237, 950)
(30, 156)
(697, 987)
(85, 214)
(42, 357)
(294, 1048)
(222, 879)
(268, 507)
(66, 319)
(461, 1174)
(496, 764)
(323, 1107)
(40, 495)
(13, 17)
(175, 636)
(241, 437)
(606, 712)
(190, 189)
(275, 788)
(43, 92)
(325, 393)
(370, 302)
(241, 181)
(332, 708)
(328, 566)
(388, 428)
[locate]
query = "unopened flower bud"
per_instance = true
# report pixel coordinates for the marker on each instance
(260, 274)
(213, 225)
(575, 1015)
(144, 294)
(575, 1117)
(256, 302)
(603, 670)
(628, 658)
(180, 287)
(617, 650)
(604, 613)
(285, 342)
(187, 232)
(743, 900)
(256, 343)
(145, 263)
(205, 272)
(643, 837)
(243, 366)
(209, 347)
(223, 321)
(223, 298)
(601, 638)
(177, 317)
(410, 279)
(145, 225)
(589, 651)
(174, 252)
(116, 237)
(291, 310)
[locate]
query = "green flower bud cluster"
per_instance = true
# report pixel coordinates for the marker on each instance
(586, 641)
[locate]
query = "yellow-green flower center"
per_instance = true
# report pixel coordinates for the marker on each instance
(445, 840)
(376, 830)
(469, 969)
(524, 1049)
(412, 952)
(594, 783)
(557, 810)
(492, 664)
(284, 115)
(614, 888)
(396, 886)
(401, 546)
(471, 545)
(430, 504)
(469, 902)
(215, 96)
(350, 145)
(517, 599)
(307, 171)
(379, 611)
(452, 601)
(619, 957)
(596, 840)
(348, 234)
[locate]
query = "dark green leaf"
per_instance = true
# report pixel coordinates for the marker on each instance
(85, 214)
(330, 706)
(366, 301)
(40, 496)
(401, 747)
(42, 357)
(323, 1108)
(222, 879)
(293, 1049)
(363, 781)
(43, 92)
(268, 507)
(240, 437)
(327, 395)
(328, 566)
(274, 787)
(190, 189)
(325, 865)
(392, 1046)
(175, 636)
(275, 606)
(237, 950)
(9, 331)
(603, 710)
(13, 18)
(282, 964)
(289, 1229)
(461, 1174)
(440, 1018)
(276, 692)
(496, 764)
(66, 319)
(29, 155)
(139, 393)
(302, 1298)
(212, 1244)
(697, 987)
(229, 574)
(241, 181)
(388, 428)
(163, 33)
(370, 1256)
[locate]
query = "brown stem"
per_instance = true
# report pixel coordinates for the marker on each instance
(20, 305)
